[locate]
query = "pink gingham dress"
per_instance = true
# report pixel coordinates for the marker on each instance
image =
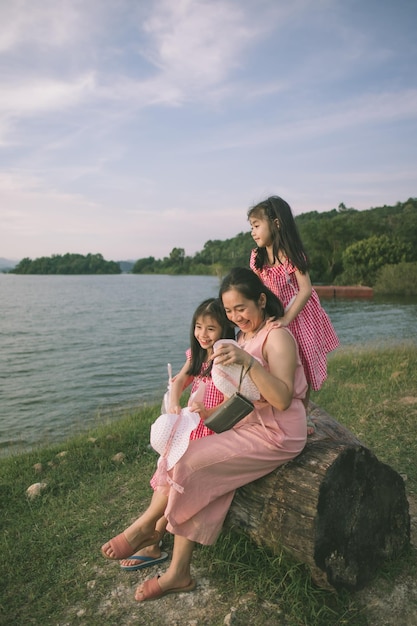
(312, 327)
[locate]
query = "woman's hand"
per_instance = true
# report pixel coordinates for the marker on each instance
(228, 354)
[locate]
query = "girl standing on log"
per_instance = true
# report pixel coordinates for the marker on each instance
(282, 264)
(209, 324)
(212, 468)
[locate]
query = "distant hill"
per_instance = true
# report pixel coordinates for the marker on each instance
(126, 266)
(7, 264)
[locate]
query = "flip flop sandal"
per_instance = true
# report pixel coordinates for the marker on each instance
(145, 561)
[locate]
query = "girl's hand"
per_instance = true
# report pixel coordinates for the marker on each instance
(281, 322)
(174, 410)
(198, 407)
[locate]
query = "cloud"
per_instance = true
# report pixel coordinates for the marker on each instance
(197, 42)
(46, 24)
(42, 95)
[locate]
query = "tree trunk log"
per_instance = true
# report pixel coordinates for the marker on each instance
(335, 508)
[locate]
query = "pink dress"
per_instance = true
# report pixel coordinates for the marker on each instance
(202, 390)
(212, 468)
(311, 328)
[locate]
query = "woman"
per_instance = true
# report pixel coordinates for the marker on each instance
(212, 468)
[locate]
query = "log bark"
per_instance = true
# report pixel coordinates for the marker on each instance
(335, 508)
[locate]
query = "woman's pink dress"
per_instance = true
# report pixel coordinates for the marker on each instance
(311, 328)
(214, 467)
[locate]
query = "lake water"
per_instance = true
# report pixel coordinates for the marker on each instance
(77, 350)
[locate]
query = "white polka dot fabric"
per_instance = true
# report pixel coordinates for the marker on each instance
(170, 434)
(226, 377)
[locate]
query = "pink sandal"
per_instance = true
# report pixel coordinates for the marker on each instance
(151, 589)
(122, 549)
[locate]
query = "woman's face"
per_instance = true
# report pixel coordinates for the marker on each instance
(246, 314)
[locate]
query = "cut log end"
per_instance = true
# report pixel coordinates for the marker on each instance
(335, 508)
(362, 518)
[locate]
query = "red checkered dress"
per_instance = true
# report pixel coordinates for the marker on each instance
(212, 397)
(311, 328)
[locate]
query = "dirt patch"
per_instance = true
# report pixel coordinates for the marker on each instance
(205, 607)
(408, 400)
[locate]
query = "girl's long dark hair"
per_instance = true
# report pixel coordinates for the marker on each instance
(250, 286)
(214, 308)
(284, 233)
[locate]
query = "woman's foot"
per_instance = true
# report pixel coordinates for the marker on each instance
(127, 543)
(161, 586)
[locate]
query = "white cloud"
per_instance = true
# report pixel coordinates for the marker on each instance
(195, 41)
(41, 95)
(47, 23)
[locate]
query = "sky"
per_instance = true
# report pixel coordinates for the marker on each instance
(130, 127)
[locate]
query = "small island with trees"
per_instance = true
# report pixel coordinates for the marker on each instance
(67, 264)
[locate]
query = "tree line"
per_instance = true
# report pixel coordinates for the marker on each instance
(345, 246)
(67, 264)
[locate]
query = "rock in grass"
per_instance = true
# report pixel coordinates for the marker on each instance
(119, 457)
(35, 490)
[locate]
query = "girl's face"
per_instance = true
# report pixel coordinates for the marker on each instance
(207, 331)
(260, 231)
(246, 314)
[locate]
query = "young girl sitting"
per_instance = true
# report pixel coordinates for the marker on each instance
(209, 324)
(282, 264)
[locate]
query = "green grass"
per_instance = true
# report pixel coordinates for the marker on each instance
(373, 392)
(50, 545)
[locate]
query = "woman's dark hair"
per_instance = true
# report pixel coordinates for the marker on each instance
(214, 308)
(284, 233)
(250, 286)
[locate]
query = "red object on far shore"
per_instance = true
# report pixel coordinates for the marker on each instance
(337, 291)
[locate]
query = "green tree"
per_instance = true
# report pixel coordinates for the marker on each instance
(144, 266)
(176, 256)
(362, 260)
(68, 264)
